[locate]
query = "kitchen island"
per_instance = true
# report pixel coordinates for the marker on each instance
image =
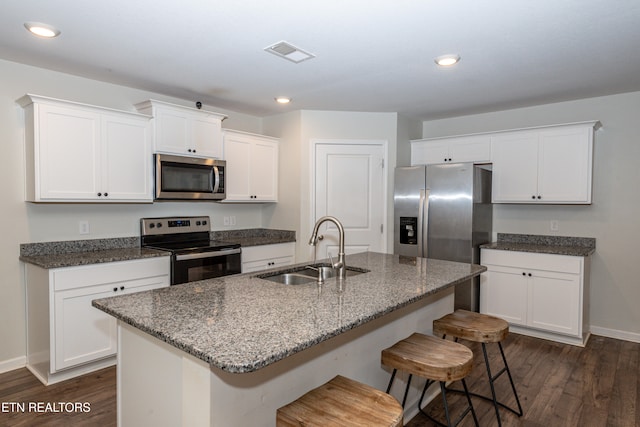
(230, 351)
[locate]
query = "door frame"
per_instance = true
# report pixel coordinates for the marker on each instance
(385, 182)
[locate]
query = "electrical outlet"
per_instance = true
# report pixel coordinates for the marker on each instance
(232, 220)
(83, 227)
(555, 226)
(225, 221)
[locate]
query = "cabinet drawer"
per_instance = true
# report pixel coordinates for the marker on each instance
(529, 260)
(95, 274)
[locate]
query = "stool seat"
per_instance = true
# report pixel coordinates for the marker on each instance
(472, 326)
(429, 357)
(342, 402)
(484, 329)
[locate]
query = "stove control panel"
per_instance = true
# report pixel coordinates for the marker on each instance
(174, 225)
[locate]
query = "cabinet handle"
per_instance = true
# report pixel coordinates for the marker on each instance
(529, 274)
(115, 289)
(99, 194)
(524, 274)
(106, 194)
(539, 197)
(449, 158)
(122, 288)
(533, 197)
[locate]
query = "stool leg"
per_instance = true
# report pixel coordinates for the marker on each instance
(443, 390)
(473, 411)
(406, 390)
(493, 390)
(513, 386)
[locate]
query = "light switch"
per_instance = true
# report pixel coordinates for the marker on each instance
(83, 227)
(554, 225)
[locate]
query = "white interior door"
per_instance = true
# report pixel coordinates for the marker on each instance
(350, 185)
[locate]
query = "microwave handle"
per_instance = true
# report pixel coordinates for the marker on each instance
(216, 177)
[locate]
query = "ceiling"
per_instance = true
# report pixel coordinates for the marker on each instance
(370, 55)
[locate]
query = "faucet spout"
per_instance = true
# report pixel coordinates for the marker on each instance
(340, 265)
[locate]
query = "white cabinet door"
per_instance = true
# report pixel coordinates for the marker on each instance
(264, 171)
(565, 159)
(206, 134)
(183, 130)
(548, 165)
(82, 333)
(504, 293)
(252, 167)
(429, 152)
(515, 167)
(554, 302)
(470, 149)
(66, 144)
(126, 159)
(171, 130)
(461, 149)
(237, 154)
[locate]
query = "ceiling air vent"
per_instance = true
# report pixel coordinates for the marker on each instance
(289, 52)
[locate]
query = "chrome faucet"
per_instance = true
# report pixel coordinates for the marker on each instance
(340, 266)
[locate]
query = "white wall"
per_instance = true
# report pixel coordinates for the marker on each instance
(612, 218)
(25, 222)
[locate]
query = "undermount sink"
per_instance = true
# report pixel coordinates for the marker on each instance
(307, 274)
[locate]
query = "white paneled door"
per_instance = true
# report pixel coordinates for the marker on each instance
(350, 185)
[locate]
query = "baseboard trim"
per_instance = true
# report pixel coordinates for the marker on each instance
(12, 364)
(614, 333)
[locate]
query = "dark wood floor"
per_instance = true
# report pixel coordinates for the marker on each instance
(559, 385)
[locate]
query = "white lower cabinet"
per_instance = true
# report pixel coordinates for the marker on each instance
(541, 295)
(258, 258)
(66, 335)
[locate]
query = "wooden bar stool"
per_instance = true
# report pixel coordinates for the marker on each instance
(434, 359)
(482, 328)
(342, 402)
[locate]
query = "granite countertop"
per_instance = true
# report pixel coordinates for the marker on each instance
(73, 259)
(96, 251)
(243, 323)
(255, 236)
(83, 252)
(556, 245)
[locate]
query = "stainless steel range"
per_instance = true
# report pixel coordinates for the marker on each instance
(194, 256)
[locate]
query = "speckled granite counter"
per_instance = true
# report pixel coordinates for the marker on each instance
(95, 251)
(556, 245)
(243, 323)
(84, 252)
(255, 236)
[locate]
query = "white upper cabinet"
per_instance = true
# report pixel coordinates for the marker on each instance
(184, 131)
(544, 165)
(457, 149)
(82, 153)
(252, 167)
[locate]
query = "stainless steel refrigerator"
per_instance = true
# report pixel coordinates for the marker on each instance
(444, 212)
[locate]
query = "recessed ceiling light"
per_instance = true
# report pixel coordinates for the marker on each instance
(283, 100)
(42, 30)
(447, 60)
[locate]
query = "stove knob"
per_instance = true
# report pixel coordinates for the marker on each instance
(197, 222)
(159, 225)
(152, 225)
(204, 222)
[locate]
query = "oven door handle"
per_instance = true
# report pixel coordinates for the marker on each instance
(211, 254)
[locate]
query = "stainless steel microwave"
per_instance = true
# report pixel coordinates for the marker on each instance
(189, 178)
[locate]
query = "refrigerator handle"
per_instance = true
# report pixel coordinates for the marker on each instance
(423, 222)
